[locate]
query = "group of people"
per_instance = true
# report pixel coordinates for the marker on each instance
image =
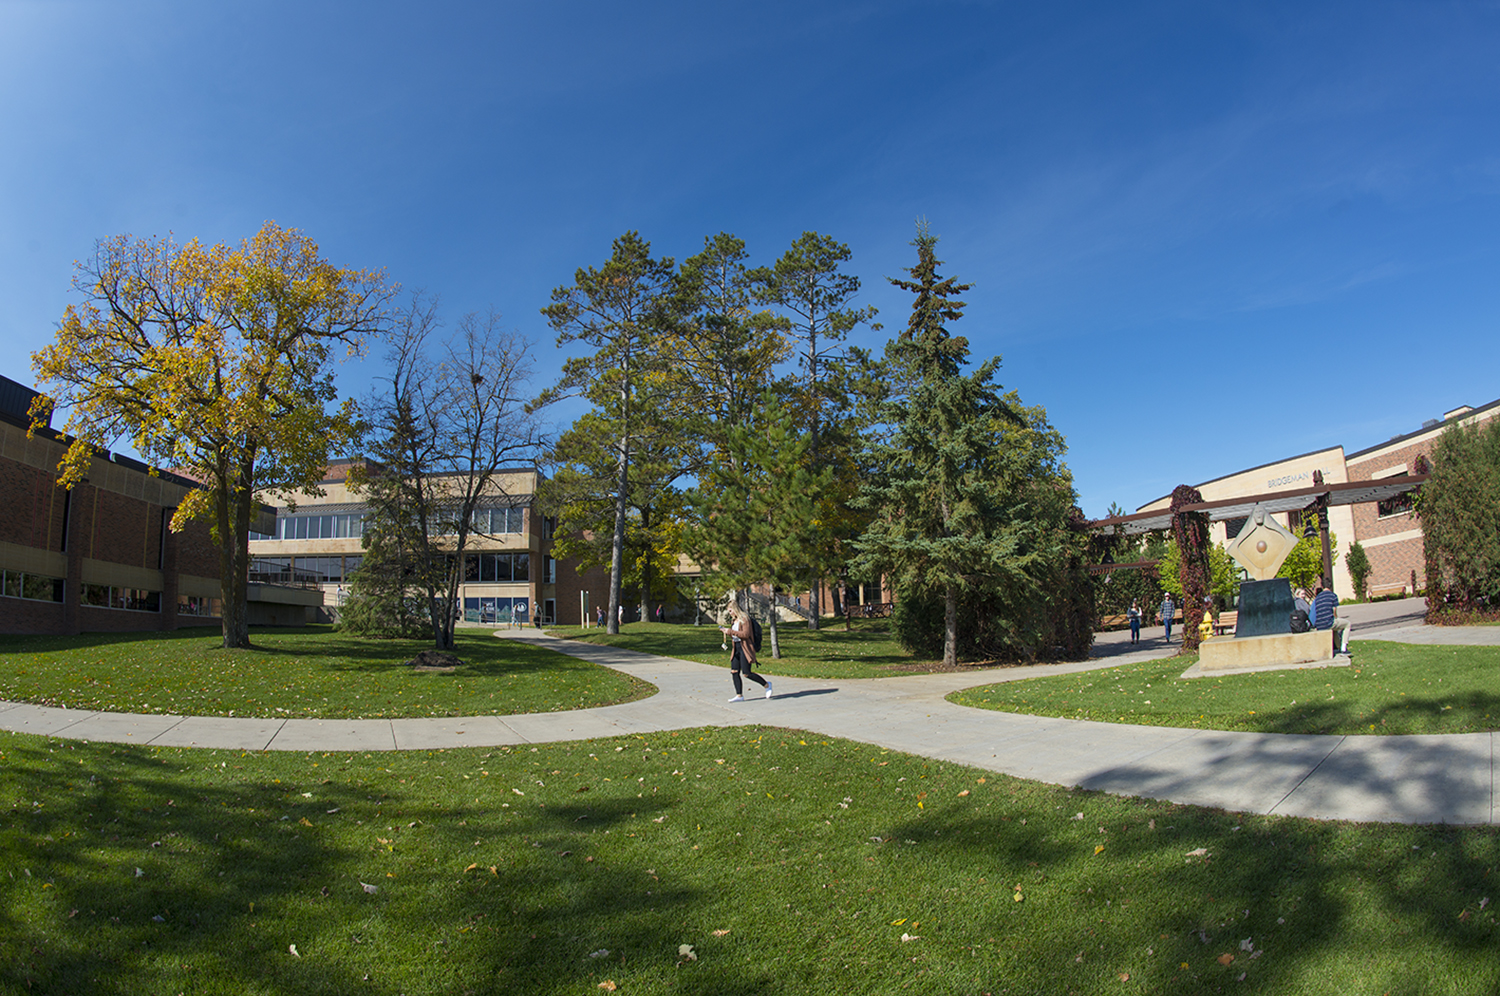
(1321, 608)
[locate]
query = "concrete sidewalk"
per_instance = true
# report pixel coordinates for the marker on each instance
(1413, 779)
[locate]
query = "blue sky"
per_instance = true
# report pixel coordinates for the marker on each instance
(1203, 236)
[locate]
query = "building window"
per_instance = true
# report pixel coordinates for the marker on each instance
(18, 584)
(197, 605)
(482, 568)
(1399, 505)
(105, 596)
(295, 527)
(549, 570)
(1232, 527)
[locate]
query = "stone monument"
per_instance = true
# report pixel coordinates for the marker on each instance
(1261, 548)
(1263, 630)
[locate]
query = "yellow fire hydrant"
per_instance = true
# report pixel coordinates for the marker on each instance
(1206, 627)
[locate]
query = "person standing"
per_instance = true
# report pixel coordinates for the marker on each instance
(601, 617)
(742, 656)
(1167, 611)
(1135, 622)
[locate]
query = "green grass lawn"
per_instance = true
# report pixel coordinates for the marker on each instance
(866, 651)
(312, 672)
(790, 864)
(1391, 688)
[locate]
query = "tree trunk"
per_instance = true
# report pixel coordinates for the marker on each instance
(775, 634)
(950, 626)
(234, 563)
(812, 602)
(617, 550)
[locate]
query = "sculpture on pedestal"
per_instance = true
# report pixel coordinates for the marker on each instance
(1265, 601)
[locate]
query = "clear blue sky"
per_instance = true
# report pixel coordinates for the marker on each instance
(1146, 196)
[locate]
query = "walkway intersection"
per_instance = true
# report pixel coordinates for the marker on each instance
(1401, 779)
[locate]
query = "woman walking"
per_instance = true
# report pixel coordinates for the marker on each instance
(742, 657)
(1135, 622)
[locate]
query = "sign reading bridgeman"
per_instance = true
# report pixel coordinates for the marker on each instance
(1281, 482)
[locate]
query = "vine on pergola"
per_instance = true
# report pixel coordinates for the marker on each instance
(1190, 529)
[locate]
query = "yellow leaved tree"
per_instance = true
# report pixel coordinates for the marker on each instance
(214, 362)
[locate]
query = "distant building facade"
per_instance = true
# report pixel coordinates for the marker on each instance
(100, 557)
(509, 572)
(1388, 531)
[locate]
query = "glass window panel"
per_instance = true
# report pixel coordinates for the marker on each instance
(13, 584)
(93, 594)
(471, 567)
(522, 562)
(351, 564)
(517, 520)
(502, 566)
(151, 602)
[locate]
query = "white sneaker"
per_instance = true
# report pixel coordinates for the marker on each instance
(768, 689)
(738, 698)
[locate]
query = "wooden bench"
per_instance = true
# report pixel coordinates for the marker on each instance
(1224, 625)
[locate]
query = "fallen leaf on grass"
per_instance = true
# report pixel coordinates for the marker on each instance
(305, 821)
(472, 867)
(293, 949)
(1099, 849)
(1198, 852)
(608, 986)
(1225, 958)
(1124, 976)
(601, 953)
(720, 933)
(910, 937)
(897, 923)
(963, 793)
(371, 889)
(685, 952)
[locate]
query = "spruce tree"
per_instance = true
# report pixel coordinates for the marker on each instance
(970, 502)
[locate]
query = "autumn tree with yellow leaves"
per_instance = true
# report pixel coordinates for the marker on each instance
(213, 361)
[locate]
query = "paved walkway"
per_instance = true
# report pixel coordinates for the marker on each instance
(1413, 779)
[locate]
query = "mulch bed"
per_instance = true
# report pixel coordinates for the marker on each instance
(434, 660)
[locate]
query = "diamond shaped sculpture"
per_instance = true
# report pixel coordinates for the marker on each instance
(1262, 546)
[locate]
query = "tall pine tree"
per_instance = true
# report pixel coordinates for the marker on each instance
(970, 501)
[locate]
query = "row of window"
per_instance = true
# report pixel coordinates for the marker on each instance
(41, 588)
(17, 584)
(105, 596)
(487, 521)
(496, 610)
(316, 527)
(303, 570)
(481, 567)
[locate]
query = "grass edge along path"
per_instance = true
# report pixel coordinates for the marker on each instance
(740, 861)
(1391, 688)
(866, 650)
(296, 673)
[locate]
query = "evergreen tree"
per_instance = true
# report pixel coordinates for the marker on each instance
(970, 504)
(622, 311)
(751, 511)
(815, 297)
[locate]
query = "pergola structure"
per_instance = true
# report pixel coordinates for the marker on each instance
(1318, 499)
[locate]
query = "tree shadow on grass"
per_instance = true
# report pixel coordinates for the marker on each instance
(1190, 885)
(237, 866)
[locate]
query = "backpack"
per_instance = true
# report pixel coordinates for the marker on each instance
(755, 633)
(1299, 621)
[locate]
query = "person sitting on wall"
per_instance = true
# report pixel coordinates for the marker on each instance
(1325, 615)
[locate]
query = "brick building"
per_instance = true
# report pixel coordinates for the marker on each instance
(509, 571)
(1388, 530)
(98, 558)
